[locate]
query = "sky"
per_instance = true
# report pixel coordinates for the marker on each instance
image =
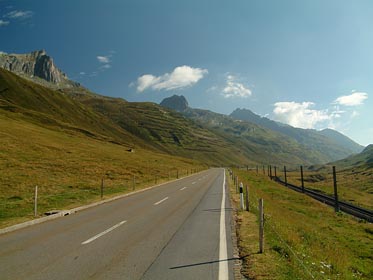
(306, 63)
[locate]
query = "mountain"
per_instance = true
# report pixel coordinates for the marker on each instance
(330, 142)
(57, 103)
(342, 140)
(38, 67)
(175, 102)
(134, 125)
(363, 159)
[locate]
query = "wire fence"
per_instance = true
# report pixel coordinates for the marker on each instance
(273, 228)
(51, 196)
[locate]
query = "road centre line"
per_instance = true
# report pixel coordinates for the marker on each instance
(183, 188)
(159, 202)
(223, 254)
(103, 233)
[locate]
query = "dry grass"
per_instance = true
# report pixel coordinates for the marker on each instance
(355, 185)
(304, 237)
(68, 168)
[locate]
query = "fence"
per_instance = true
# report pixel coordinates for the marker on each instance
(267, 225)
(324, 187)
(44, 199)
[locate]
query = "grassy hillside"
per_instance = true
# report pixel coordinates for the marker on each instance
(166, 130)
(354, 178)
(329, 143)
(258, 143)
(39, 105)
(304, 239)
(64, 147)
(68, 167)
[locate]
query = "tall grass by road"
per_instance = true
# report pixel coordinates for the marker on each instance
(304, 239)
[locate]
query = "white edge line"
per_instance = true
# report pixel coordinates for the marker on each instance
(223, 254)
(103, 233)
(183, 188)
(159, 202)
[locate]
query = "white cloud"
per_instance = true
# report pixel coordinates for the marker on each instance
(82, 73)
(103, 59)
(3, 23)
(354, 99)
(106, 66)
(180, 77)
(235, 89)
(19, 14)
(300, 114)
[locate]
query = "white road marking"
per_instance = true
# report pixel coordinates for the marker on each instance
(193, 183)
(223, 254)
(183, 188)
(159, 202)
(103, 233)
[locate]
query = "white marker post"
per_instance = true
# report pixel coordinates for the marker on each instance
(241, 197)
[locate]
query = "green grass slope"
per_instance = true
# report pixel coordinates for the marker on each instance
(37, 104)
(166, 130)
(257, 142)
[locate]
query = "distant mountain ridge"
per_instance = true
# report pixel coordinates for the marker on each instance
(311, 145)
(38, 67)
(305, 136)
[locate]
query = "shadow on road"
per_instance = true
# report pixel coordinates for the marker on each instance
(210, 262)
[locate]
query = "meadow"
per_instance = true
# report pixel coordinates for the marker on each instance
(68, 168)
(304, 239)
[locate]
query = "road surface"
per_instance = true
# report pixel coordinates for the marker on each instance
(170, 232)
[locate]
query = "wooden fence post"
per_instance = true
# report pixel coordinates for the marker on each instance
(261, 225)
(276, 171)
(301, 177)
(36, 202)
(335, 190)
(270, 172)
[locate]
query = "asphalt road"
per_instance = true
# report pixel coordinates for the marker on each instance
(169, 232)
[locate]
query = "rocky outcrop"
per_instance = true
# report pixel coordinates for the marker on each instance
(35, 66)
(175, 102)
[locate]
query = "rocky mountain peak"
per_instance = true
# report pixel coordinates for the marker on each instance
(175, 102)
(35, 66)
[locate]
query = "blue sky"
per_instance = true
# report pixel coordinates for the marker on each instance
(307, 63)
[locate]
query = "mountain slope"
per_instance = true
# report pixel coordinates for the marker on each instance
(363, 159)
(37, 104)
(144, 125)
(329, 142)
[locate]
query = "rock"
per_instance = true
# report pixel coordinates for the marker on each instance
(38, 67)
(175, 102)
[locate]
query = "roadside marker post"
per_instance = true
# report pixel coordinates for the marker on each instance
(241, 197)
